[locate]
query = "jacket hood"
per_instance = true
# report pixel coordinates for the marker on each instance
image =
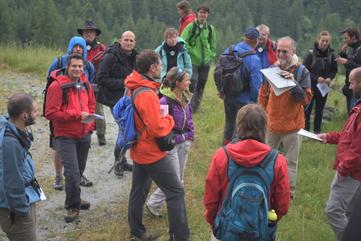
(77, 41)
(166, 91)
(248, 153)
(116, 49)
(322, 52)
(190, 15)
(136, 80)
(21, 135)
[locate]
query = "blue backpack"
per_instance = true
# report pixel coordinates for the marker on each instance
(243, 215)
(123, 112)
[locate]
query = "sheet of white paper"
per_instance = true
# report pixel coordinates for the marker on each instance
(273, 76)
(324, 88)
(308, 134)
(98, 117)
(42, 195)
(89, 119)
(279, 91)
(164, 110)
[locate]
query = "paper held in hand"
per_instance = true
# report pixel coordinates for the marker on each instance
(308, 134)
(164, 110)
(90, 118)
(323, 88)
(276, 81)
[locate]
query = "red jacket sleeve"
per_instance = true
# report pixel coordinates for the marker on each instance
(53, 110)
(216, 184)
(333, 137)
(280, 187)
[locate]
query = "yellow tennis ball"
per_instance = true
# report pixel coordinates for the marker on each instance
(272, 215)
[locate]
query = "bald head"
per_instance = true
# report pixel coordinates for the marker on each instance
(286, 47)
(127, 41)
(355, 82)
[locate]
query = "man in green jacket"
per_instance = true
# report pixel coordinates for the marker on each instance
(200, 38)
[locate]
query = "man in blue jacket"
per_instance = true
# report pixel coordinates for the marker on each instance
(19, 190)
(251, 72)
(77, 45)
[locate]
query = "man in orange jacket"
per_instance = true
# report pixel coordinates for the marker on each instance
(150, 163)
(285, 111)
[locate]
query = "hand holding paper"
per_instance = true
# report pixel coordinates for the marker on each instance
(308, 134)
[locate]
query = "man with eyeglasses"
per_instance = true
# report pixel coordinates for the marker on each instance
(266, 48)
(285, 111)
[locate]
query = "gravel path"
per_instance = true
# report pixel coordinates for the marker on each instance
(104, 195)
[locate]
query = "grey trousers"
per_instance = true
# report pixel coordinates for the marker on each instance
(164, 175)
(340, 202)
(22, 228)
(100, 124)
(179, 157)
(291, 147)
(73, 155)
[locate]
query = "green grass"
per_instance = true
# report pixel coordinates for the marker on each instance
(27, 59)
(305, 220)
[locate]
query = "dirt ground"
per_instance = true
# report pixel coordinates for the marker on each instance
(104, 195)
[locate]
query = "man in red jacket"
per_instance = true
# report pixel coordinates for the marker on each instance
(95, 51)
(249, 151)
(347, 180)
(70, 105)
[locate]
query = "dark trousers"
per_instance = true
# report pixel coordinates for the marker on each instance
(320, 105)
(73, 155)
(231, 107)
(164, 175)
(198, 82)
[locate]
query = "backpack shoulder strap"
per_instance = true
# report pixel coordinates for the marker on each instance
(193, 32)
(134, 94)
(60, 62)
(209, 33)
(267, 164)
(246, 53)
(299, 71)
(313, 54)
(170, 105)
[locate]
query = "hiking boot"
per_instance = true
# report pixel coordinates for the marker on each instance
(128, 167)
(155, 212)
(84, 205)
(119, 169)
(72, 215)
(85, 182)
(58, 183)
(145, 237)
(101, 140)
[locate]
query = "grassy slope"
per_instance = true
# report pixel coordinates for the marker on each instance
(305, 220)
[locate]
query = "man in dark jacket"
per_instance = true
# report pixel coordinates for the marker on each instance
(95, 51)
(18, 191)
(117, 63)
(350, 57)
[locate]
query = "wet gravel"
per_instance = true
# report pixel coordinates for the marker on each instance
(106, 193)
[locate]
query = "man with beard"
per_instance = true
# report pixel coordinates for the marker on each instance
(19, 189)
(347, 180)
(95, 51)
(285, 111)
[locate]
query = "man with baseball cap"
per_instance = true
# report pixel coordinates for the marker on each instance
(251, 73)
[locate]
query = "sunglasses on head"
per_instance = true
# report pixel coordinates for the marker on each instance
(180, 74)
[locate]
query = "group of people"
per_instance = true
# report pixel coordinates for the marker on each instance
(257, 120)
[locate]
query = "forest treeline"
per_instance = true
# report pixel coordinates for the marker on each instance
(51, 23)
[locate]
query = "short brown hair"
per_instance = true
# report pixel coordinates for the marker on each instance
(203, 7)
(252, 123)
(19, 103)
(170, 31)
(74, 56)
(145, 59)
(352, 32)
(184, 5)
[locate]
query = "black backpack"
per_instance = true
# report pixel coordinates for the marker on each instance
(230, 76)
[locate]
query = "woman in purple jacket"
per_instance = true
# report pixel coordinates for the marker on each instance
(176, 95)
